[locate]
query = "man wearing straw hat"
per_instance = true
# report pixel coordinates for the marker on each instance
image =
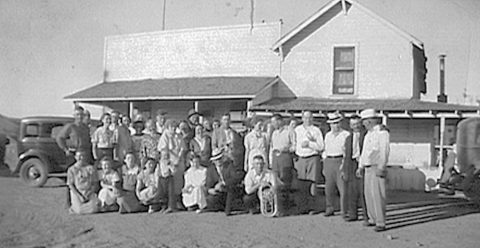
(333, 164)
(373, 160)
(222, 182)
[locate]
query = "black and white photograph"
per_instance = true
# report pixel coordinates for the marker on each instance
(239, 123)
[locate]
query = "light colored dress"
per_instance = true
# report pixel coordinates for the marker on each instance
(84, 178)
(256, 144)
(196, 178)
(108, 196)
(150, 192)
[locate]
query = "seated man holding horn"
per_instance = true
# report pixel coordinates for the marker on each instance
(261, 189)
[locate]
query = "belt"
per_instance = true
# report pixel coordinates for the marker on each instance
(337, 156)
(310, 156)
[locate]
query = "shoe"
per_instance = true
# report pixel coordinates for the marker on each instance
(228, 214)
(199, 211)
(366, 223)
(380, 228)
(313, 212)
(150, 210)
(329, 213)
(169, 210)
(350, 219)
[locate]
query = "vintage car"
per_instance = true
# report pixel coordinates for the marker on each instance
(465, 175)
(34, 154)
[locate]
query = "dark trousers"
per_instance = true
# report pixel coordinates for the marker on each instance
(251, 201)
(167, 193)
(223, 200)
(333, 182)
(355, 195)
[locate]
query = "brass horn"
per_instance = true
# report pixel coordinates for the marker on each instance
(268, 200)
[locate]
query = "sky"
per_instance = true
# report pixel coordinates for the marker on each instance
(52, 48)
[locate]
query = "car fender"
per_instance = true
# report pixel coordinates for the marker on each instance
(33, 154)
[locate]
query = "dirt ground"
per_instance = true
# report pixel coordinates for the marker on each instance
(36, 217)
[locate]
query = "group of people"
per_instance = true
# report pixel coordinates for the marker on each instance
(163, 165)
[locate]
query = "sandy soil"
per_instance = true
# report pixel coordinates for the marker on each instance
(36, 217)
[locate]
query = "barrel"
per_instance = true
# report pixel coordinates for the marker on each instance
(468, 143)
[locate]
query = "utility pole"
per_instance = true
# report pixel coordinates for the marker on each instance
(164, 13)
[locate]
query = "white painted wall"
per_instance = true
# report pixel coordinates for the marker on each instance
(383, 59)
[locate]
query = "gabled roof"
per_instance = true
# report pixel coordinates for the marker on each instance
(352, 105)
(324, 11)
(174, 89)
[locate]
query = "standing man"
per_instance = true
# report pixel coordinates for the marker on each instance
(354, 184)
(75, 136)
(282, 146)
(309, 145)
(193, 120)
(374, 158)
(160, 118)
(229, 141)
(334, 167)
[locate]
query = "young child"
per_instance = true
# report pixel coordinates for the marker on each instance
(127, 200)
(147, 188)
(110, 182)
(167, 170)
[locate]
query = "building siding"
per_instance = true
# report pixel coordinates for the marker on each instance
(200, 52)
(384, 63)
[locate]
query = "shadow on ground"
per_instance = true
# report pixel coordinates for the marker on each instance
(418, 208)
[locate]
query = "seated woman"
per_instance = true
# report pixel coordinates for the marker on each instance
(194, 192)
(82, 180)
(147, 188)
(110, 183)
(127, 200)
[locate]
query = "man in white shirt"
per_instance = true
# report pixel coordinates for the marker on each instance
(255, 178)
(373, 159)
(333, 167)
(308, 147)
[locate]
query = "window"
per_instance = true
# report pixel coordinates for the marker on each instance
(31, 130)
(344, 70)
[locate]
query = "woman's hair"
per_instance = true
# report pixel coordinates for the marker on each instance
(106, 159)
(171, 123)
(150, 159)
(104, 115)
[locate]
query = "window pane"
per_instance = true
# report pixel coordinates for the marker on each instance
(344, 57)
(31, 130)
(343, 82)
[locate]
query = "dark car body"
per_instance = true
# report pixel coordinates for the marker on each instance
(34, 153)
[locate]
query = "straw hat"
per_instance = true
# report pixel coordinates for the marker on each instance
(368, 113)
(334, 117)
(217, 154)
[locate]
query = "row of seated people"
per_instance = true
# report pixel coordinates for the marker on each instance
(131, 188)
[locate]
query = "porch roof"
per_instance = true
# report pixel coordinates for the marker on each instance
(192, 88)
(356, 105)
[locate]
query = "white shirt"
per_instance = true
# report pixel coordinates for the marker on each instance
(335, 143)
(252, 179)
(376, 148)
(314, 147)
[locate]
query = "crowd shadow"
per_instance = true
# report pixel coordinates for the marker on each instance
(416, 212)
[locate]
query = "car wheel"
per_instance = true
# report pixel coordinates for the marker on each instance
(34, 172)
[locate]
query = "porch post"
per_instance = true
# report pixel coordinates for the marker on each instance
(442, 134)
(130, 110)
(384, 119)
(195, 105)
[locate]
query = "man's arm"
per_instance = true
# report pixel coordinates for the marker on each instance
(62, 137)
(384, 149)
